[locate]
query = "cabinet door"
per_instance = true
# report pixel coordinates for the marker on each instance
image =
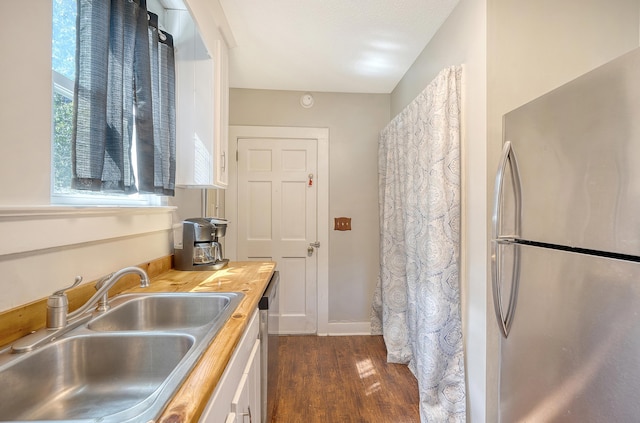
(194, 102)
(253, 384)
(246, 401)
(226, 393)
(202, 103)
(221, 113)
(240, 404)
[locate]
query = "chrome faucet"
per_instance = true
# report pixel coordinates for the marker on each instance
(59, 322)
(102, 290)
(58, 306)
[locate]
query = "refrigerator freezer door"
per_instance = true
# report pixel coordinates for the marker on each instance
(578, 151)
(573, 354)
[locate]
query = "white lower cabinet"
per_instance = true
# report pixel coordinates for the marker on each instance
(246, 402)
(236, 399)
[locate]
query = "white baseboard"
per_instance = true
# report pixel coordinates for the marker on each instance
(347, 328)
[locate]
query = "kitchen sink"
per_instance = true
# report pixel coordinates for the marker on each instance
(162, 311)
(88, 377)
(122, 365)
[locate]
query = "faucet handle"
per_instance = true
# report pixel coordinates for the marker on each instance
(76, 282)
(58, 306)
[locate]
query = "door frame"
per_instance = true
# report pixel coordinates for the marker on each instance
(322, 185)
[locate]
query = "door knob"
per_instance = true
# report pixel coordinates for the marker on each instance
(309, 250)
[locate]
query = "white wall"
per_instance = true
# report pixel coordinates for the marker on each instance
(44, 247)
(354, 121)
(462, 40)
(25, 84)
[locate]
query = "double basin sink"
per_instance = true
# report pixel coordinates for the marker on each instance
(119, 366)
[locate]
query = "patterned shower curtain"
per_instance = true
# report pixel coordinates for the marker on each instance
(416, 306)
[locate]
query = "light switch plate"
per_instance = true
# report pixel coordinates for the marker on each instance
(342, 224)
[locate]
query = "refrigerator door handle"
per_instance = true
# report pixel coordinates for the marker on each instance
(508, 157)
(505, 320)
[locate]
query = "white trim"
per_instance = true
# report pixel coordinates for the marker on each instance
(28, 229)
(79, 198)
(62, 85)
(348, 329)
(231, 200)
(223, 24)
(70, 211)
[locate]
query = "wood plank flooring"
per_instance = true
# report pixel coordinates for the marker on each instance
(342, 379)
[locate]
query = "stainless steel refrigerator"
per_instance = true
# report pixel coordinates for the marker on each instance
(566, 251)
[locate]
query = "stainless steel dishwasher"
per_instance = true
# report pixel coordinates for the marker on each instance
(269, 315)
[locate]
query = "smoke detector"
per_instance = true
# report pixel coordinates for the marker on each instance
(306, 100)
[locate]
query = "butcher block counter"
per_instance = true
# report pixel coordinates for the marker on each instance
(250, 278)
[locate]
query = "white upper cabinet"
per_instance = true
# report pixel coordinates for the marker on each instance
(221, 174)
(202, 98)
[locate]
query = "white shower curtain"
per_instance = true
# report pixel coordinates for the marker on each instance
(416, 306)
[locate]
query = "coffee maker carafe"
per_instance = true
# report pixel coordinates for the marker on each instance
(201, 248)
(219, 230)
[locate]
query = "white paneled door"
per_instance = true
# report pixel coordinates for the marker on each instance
(277, 220)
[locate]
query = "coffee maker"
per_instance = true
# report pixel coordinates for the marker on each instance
(201, 248)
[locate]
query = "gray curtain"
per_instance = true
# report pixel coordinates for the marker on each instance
(164, 99)
(118, 66)
(416, 304)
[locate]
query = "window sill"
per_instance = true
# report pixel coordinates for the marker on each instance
(35, 211)
(35, 228)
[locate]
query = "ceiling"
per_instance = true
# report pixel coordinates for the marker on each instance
(359, 46)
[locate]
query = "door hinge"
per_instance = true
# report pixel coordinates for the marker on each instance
(236, 155)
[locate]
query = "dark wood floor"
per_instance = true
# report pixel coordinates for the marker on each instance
(342, 379)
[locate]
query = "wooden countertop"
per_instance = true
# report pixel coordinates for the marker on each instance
(188, 403)
(251, 278)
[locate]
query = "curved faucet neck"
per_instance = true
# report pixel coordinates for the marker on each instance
(103, 286)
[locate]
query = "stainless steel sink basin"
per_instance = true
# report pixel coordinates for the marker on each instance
(121, 366)
(162, 311)
(88, 377)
